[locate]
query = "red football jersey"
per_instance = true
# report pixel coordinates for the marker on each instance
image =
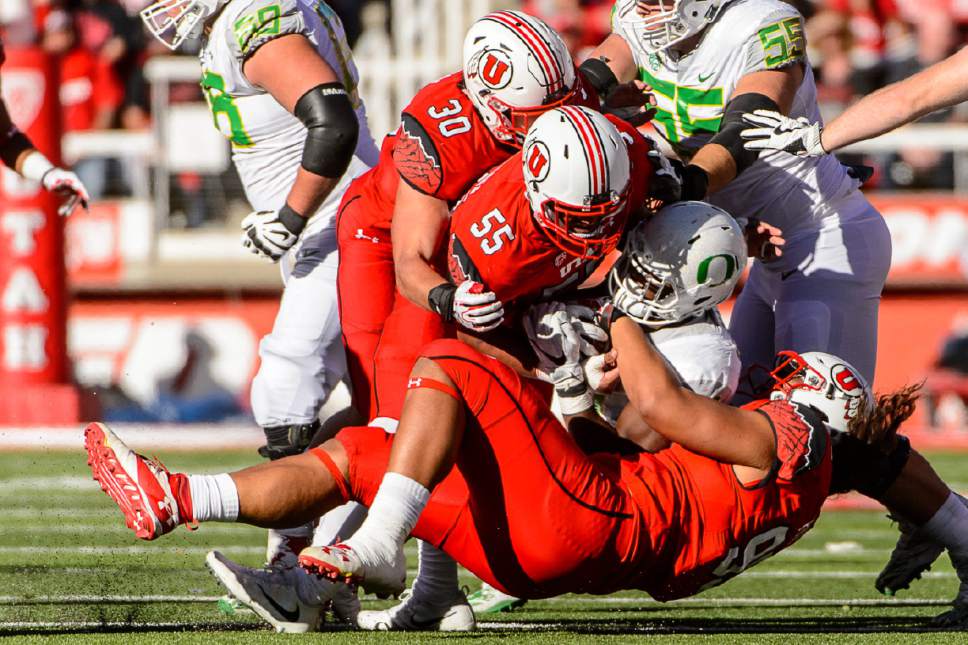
(707, 527)
(440, 148)
(496, 240)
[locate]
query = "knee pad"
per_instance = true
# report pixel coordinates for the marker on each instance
(286, 441)
(864, 468)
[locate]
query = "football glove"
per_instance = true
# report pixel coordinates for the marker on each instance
(774, 131)
(272, 233)
(476, 309)
(561, 335)
(68, 187)
(665, 186)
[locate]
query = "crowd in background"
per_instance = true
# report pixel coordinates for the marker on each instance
(856, 46)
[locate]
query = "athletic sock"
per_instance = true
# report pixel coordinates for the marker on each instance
(436, 575)
(214, 498)
(392, 516)
(339, 524)
(949, 526)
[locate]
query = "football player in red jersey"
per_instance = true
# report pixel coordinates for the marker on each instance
(455, 129)
(519, 504)
(18, 153)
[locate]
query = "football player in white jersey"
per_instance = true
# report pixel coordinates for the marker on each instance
(279, 78)
(942, 85)
(707, 62)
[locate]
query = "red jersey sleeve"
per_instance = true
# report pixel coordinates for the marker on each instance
(496, 241)
(443, 146)
(640, 168)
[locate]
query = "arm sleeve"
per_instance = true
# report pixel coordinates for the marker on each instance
(264, 20)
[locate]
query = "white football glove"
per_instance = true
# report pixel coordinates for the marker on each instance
(476, 309)
(66, 185)
(774, 131)
(561, 335)
(272, 233)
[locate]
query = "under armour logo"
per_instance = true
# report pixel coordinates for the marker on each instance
(414, 383)
(360, 235)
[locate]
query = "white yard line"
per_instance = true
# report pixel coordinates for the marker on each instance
(583, 600)
(128, 550)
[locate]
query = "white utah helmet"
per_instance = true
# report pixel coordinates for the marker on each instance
(577, 178)
(679, 263)
(659, 24)
(822, 381)
(515, 68)
(175, 21)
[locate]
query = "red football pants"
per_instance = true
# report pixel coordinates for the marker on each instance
(382, 330)
(524, 508)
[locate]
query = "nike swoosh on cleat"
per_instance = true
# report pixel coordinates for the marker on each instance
(787, 274)
(702, 79)
(291, 616)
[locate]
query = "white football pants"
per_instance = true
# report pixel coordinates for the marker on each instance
(302, 357)
(821, 295)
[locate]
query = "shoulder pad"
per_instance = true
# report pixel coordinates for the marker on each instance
(253, 23)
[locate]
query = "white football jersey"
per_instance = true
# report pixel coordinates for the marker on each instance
(267, 141)
(701, 353)
(692, 90)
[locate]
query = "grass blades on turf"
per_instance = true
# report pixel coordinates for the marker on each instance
(69, 569)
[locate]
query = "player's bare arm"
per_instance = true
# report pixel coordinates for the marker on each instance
(419, 228)
(727, 434)
(724, 157)
(311, 92)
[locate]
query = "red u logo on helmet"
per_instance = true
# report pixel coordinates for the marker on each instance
(537, 161)
(495, 69)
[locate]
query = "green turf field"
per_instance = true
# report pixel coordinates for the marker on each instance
(69, 567)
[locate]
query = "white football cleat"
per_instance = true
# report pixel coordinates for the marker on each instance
(957, 616)
(290, 600)
(418, 613)
(143, 489)
(913, 554)
(488, 600)
(340, 563)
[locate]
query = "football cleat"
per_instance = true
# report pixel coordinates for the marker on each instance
(153, 500)
(290, 600)
(345, 604)
(913, 554)
(488, 600)
(418, 613)
(340, 563)
(957, 616)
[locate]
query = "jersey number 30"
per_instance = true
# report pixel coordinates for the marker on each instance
(492, 242)
(450, 125)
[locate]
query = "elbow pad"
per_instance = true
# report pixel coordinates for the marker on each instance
(331, 129)
(732, 125)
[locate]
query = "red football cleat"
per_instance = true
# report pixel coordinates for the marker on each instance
(153, 500)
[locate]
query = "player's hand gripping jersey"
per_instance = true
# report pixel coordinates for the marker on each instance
(692, 90)
(496, 239)
(267, 140)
